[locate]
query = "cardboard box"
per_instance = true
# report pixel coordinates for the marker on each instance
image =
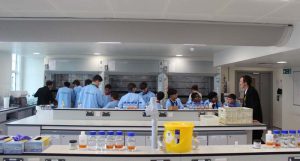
(4, 139)
(14, 147)
(38, 144)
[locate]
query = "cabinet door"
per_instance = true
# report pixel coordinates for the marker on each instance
(241, 139)
(217, 139)
(202, 139)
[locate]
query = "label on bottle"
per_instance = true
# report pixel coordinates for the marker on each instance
(169, 137)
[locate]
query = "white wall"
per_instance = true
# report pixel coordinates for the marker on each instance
(182, 65)
(5, 72)
(32, 73)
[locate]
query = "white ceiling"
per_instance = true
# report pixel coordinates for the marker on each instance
(259, 11)
(117, 50)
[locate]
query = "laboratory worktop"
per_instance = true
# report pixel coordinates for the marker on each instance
(14, 108)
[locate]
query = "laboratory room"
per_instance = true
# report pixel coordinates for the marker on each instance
(159, 80)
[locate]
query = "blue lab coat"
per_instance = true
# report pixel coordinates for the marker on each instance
(91, 97)
(65, 97)
(77, 91)
(176, 103)
(147, 96)
(132, 100)
(111, 104)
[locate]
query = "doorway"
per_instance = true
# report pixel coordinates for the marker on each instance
(263, 83)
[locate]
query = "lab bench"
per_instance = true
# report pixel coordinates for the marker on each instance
(65, 124)
(14, 113)
(203, 153)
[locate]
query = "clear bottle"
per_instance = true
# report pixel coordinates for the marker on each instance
(285, 139)
(177, 136)
(293, 139)
(92, 141)
(277, 139)
(101, 140)
(119, 140)
(131, 141)
(82, 140)
(269, 138)
(110, 140)
(298, 138)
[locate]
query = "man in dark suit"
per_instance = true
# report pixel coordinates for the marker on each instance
(44, 94)
(251, 100)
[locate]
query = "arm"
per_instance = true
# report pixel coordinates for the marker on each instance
(120, 104)
(168, 104)
(100, 99)
(37, 93)
(142, 103)
(180, 105)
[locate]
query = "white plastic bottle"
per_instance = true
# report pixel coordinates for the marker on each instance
(269, 139)
(82, 140)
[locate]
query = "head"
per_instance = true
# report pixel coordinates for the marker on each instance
(67, 84)
(49, 84)
(115, 96)
(195, 88)
(245, 82)
(213, 97)
(97, 79)
(131, 87)
(172, 93)
(196, 97)
(87, 82)
(107, 89)
(76, 83)
(144, 86)
(231, 98)
(160, 95)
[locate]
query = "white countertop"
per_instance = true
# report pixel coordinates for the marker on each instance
(2, 109)
(202, 150)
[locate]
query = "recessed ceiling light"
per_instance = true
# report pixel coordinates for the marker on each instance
(195, 44)
(109, 43)
(97, 53)
(36, 53)
(192, 49)
(281, 62)
(179, 55)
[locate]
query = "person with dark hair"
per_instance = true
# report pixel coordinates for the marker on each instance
(114, 101)
(65, 96)
(44, 94)
(87, 82)
(107, 94)
(251, 100)
(173, 102)
(131, 100)
(91, 96)
(146, 94)
(194, 89)
(196, 101)
(231, 101)
(160, 100)
(213, 101)
(77, 89)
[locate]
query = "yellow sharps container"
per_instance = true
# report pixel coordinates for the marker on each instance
(178, 136)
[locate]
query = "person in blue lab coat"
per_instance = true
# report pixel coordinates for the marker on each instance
(173, 100)
(146, 94)
(91, 96)
(107, 94)
(196, 101)
(65, 96)
(231, 101)
(114, 101)
(86, 83)
(77, 90)
(213, 101)
(131, 100)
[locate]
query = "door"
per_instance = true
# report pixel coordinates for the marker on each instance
(263, 83)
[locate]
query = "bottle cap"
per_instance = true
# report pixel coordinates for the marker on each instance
(131, 134)
(73, 141)
(101, 132)
(82, 133)
(269, 132)
(292, 131)
(92, 133)
(110, 133)
(298, 131)
(119, 133)
(284, 132)
(276, 131)
(177, 132)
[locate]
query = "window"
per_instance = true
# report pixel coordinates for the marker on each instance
(14, 71)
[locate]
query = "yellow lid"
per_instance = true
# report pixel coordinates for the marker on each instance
(179, 124)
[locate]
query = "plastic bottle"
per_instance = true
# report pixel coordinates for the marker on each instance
(92, 140)
(131, 141)
(292, 139)
(177, 136)
(277, 139)
(101, 140)
(110, 140)
(298, 138)
(82, 140)
(285, 139)
(269, 138)
(119, 140)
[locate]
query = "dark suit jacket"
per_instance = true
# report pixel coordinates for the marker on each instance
(251, 100)
(44, 96)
